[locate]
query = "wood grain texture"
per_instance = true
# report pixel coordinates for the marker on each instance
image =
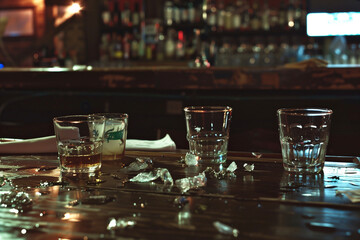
(267, 203)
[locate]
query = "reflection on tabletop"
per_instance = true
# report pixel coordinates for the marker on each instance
(220, 201)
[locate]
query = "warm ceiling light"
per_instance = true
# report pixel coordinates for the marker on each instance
(74, 8)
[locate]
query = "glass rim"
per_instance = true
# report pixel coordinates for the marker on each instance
(208, 109)
(112, 115)
(77, 118)
(305, 111)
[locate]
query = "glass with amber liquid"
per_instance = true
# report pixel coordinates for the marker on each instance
(79, 142)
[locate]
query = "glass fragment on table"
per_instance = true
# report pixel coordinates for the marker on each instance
(226, 229)
(16, 199)
(185, 184)
(257, 154)
(191, 159)
(232, 167)
(138, 165)
(249, 167)
(229, 172)
(120, 223)
(162, 173)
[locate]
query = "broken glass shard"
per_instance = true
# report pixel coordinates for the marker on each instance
(221, 174)
(232, 167)
(225, 229)
(138, 165)
(162, 173)
(15, 199)
(185, 184)
(256, 154)
(120, 223)
(249, 167)
(191, 159)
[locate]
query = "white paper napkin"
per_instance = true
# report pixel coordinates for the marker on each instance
(48, 145)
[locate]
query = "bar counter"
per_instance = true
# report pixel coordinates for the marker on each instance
(154, 98)
(181, 78)
(266, 203)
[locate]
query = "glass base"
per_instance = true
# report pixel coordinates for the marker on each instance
(303, 170)
(90, 169)
(212, 160)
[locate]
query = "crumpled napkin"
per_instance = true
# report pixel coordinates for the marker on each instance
(353, 195)
(48, 145)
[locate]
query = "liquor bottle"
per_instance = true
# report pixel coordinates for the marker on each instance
(142, 47)
(125, 15)
(255, 20)
(191, 12)
(170, 45)
(282, 16)
(265, 19)
(245, 23)
(168, 13)
(160, 48)
(211, 15)
(297, 16)
(135, 16)
(274, 18)
(229, 13)
(104, 46)
(180, 46)
(106, 14)
(118, 48)
(290, 16)
(115, 13)
(135, 45)
(184, 12)
(177, 13)
(220, 21)
(126, 46)
(236, 18)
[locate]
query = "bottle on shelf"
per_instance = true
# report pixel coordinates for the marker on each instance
(290, 15)
(265, 16)
(282, 21)
(191, 12)
(126, 14)
(220, 17)
(180, 46)
(170, 45)
(135, 15)
(168, 13)
(237, 14)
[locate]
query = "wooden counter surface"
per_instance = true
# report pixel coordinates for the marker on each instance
(266, 203)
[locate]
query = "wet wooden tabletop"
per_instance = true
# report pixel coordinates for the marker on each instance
(266, 203)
